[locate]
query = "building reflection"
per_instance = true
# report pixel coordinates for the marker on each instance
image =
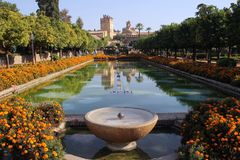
(129, 73)
(112, 72)
(108, 76)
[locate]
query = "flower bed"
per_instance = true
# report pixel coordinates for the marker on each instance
(212, 131)
(102, 56)
(51, 111)
(212, 71)
(22, 74)
(27, 134)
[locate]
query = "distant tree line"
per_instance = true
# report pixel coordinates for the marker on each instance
(49, 32)
(210, 31)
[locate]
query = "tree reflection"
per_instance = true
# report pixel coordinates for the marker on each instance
(62, 88)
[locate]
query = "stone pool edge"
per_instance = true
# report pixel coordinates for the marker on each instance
(23, 87)
(223, 87)
(172, 120)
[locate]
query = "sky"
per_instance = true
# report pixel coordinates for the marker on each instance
(151, 13)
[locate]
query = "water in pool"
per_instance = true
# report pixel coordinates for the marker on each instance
(158, 144)
(129, 84)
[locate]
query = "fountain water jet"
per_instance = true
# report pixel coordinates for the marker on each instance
(121, 127)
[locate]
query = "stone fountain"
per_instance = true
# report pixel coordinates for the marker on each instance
(121, 127)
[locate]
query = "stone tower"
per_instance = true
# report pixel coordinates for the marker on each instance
(107, 25)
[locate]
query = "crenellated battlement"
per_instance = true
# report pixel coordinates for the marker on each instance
(107, 25)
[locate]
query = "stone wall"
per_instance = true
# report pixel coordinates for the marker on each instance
(22, 59)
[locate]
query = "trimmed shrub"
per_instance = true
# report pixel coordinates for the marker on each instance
(25, 134)
(227, 62)
(212, 131)
(52, 112)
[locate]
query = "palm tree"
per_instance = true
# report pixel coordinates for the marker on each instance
(64, 16)
(148, 29)
(139, 27)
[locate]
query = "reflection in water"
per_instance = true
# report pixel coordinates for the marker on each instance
(106, 154)
(139, 85)
(108, 76)
(152, 146)
(188, 93)
(61, 89)
(139, 78)
(128, 71)
(120, 87)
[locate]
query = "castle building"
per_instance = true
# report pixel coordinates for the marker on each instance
(107, 25)
(129, 30)
(98, 34)
(106, 30)
(128, 34)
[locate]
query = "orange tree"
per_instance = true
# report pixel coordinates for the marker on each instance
(25, 134)
(212, 131)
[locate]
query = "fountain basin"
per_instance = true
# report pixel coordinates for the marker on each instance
(120, 132)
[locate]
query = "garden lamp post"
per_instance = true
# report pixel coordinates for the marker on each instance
(33, 53)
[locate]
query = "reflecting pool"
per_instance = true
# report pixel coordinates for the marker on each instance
(159, 144)
(131, 84)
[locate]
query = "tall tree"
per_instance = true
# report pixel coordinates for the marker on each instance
(64, 16)
(148, 29)
(139, 27)
(49, 7)
(190, 35)
(208, 27)
(79, 22)
(45, 34)
(233, 25)
(14, 31)
(8, 6)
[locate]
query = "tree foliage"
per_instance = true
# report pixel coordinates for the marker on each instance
(211, 30)
(14, 30)
(79, 22)
(49, 7)
(64, 16)
(9, 6)
(139, 27)
(50, 34)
